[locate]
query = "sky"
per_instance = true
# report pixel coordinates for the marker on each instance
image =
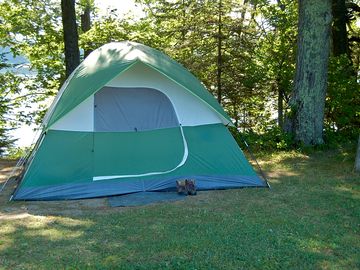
(122, 6)
(26, 134)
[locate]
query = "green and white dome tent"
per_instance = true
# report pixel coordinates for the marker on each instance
(131, 119)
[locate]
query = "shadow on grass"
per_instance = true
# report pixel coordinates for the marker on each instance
(309, 220)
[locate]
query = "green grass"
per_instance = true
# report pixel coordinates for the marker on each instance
(309, 220)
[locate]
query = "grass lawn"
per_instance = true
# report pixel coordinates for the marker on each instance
(309, 220)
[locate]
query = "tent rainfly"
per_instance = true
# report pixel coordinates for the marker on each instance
(131, 119)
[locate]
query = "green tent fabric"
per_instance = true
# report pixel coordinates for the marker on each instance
(111, 60)
(130, 119)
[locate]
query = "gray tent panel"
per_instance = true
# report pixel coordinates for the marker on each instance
(132, 109)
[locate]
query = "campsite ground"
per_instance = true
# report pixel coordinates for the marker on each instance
(309, 220)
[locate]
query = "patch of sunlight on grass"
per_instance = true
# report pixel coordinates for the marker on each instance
(355, 194)
(326, 265)
(38, 222)
(317, 246)
(53, 228)
(112, 260)
(53, 234)
(35, 222)
(73, 222)
(282, 173)
(7, 229)
(346, 156)
(6, 167)
(5, 243)
(339, 264)
(273, 181)
(13, 216)
(157, 227)
(278, 157)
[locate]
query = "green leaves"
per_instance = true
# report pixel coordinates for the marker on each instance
(343, 98)
(31, 29)
(258, 48)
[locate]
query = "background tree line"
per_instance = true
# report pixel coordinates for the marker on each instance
(251, 54)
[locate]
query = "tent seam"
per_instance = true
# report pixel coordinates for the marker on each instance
(93, 93)
(188, 90)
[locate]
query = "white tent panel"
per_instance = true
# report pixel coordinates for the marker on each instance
(189, 109)
(81, 118)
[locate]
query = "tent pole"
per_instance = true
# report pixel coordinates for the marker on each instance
(253, 157)
(257, 163)
(19, 163)
(24, 159)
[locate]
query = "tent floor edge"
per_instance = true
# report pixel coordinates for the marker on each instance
(114, 188)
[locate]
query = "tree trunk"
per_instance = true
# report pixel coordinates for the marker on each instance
(72, 54)
(86, 24)
(235, 113)
(281, 91)
(308, 98)
(340, 40)
(357, 159)
(219, 56)
(280, 107)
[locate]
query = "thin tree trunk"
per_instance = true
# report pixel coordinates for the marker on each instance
(183, 29)
(86, 25)
(308, 98)
(280, 89)
(340, 40)
(280, 107)
(235, 113)
(242, 20)
(72, 54)
(219, 56)
(357, 159)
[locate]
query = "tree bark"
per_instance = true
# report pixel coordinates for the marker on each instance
(308, 97)
(340, 40)
(72, 54)
(280, 107)
(357, 159)
(86, 24)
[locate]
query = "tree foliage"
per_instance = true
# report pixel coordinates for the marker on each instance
(32, 29)
(244, 51)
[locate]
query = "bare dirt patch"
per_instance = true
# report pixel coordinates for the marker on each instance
(24, 209)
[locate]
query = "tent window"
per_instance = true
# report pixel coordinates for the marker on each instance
(132, 109)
